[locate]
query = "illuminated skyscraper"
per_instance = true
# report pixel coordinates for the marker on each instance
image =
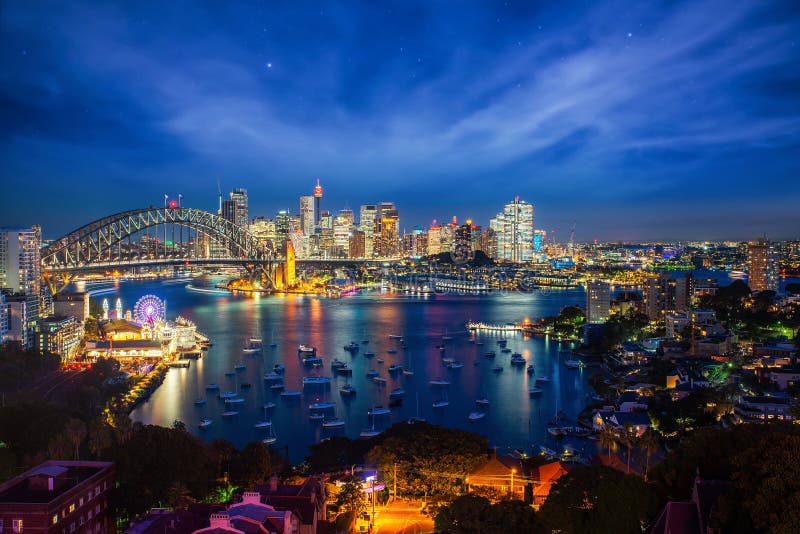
(538, 240)
(598, 301)
(514, 230)
(387, 230)
(317, 198)
(239, 198)
(20, 268)
(434, 239)
(307, 215)
(761, 272)
(366, 223)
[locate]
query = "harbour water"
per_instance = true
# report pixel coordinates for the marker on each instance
(513, 419)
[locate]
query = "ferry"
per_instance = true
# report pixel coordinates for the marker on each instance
(475, 416)
(508, 327)
(205, 423)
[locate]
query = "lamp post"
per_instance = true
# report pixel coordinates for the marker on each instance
(371, 479)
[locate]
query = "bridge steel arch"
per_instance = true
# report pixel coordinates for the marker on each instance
(99, 243)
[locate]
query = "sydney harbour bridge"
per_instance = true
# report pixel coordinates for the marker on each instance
(163, 237)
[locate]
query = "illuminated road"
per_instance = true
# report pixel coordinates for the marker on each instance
(402, 517)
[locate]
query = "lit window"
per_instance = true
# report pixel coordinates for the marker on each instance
(16, 525)
(71, 507)
(55, 519)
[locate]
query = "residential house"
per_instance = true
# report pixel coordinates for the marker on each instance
(698, 516)
(543, 478)
(502, 474)
(638, 421)
(306, 499)
(760, 407)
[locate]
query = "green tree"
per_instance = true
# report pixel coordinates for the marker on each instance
(599, 500)
(650, 443)
(608, 440)
(467, 514)
(351, 495)
(254, 465)
(101, 437)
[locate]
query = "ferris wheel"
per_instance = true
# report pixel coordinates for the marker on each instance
(149, 310)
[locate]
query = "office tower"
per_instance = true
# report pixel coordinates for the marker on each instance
(659, 295)
(308, 219)
(434, 239)
(462, 244)
(348, 215)
(20, 269)
(341, 233)
(356, 245)
(761, 271)
(538, 240)
(514, 230)
(317, 198)
(366, 223)
(598, 301)
(684, 289)
(229, 210)
(239, 197)
(387, 230)
(487, 242)
(326, 220)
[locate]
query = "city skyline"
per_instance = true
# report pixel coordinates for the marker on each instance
(639, 123)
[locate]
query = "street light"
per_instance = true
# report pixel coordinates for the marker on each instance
(371, 479)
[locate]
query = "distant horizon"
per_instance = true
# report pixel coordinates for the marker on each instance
(637, 120)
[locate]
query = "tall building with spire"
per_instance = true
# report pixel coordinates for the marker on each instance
(317, 199)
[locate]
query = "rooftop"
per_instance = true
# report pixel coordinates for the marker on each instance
(32, 486)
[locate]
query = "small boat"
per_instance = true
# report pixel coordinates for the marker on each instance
(336, 363)
(276, 386)
(205, 423)
(291, 393)
(272, 377)
(240, 367)
(380, 360)
(439, 382)
(474, 416)
(351, 347)
(395, 336)
(345, 370)
(321, 405)
(234, 400)
(455, 365)
(229, 413)
(269, 405)
(395, 368)
(518, 360)
(516, 355)
(333, 423)
(441, 403)
(256, 341)
(347, 389)
(501, 341)
(378, 410)
(312, 360)
(379, 379)
(573, 364)
(497, 369)
(230, 373)
(316, 416)
(505, 350)
(529, 370)
(397, 392)
(569, 450)
(269, 440)
(534, 391)
(369, 433)
(408, 372)
(228, 395)
(263, 424)
(483, 401)
(392, 351)
(306, 349)
(543, 378)
(372, 373)
(278, 368)
(251, 350)
(490, 354)
(369, 354)
(316, 380)
(212, 387)
(546, 451)
(479, 343)
(199, 402)
(448, 360)
(245, 385)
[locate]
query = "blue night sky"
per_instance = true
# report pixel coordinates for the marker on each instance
(640, 120)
